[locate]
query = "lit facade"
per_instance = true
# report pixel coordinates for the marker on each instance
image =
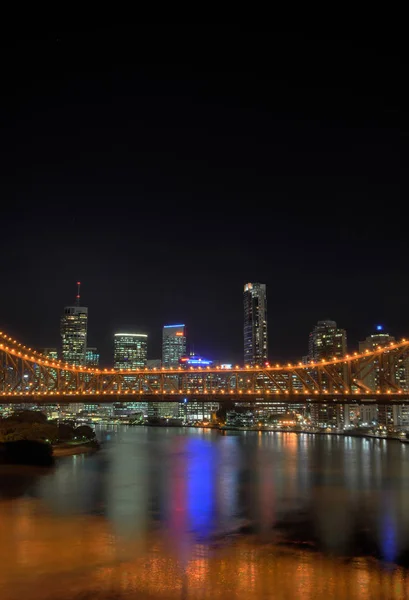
(50, 352)
(91, 357)
(192, 411)
(47, 383)
(130, 351)
(327, 341)
(398, 365)
(255, 324)
(173, 345)
(74, 324)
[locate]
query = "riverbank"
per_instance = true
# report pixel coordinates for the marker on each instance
(351, 433)
(71, 449)
(221, 428)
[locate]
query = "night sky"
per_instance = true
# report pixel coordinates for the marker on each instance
(165, 167)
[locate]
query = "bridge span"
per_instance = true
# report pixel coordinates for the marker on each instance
(381, 376)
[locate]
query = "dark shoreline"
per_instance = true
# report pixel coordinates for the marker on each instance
(64, 449)
(352, 433)
(41, 454)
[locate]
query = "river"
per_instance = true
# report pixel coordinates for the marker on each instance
(172, 513)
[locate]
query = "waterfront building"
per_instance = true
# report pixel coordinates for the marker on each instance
(73, 329)
(255, 324)
(173, 345)
(163, 410)
(130, 351)
(193, 411)
(239, 419)
(368, 414)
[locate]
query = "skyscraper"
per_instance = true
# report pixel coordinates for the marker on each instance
(173, 345)
(388, 367)
(396, 366)
(255, 324)
(91, 357)
(327, 341)
(74, 324)
(130, 351)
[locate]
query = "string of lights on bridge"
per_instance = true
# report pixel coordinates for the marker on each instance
(21, 351)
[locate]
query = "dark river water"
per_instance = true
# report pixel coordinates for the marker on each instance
(189, 513)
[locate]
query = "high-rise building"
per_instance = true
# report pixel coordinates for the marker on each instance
(371, 376)
(48, 382)
(327, 341)
(255, 324)
(173, 345)
(394, 367)
(91, 357)
(74, 324)
(130, 351)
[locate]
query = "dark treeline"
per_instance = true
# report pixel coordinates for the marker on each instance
(34, 426)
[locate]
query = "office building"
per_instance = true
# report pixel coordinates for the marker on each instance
(394, 367)
(192, 411)
(173, 345)
(74, 325)
(50, 352)
(327, 341)
(91, 357)
(48, 383)
(255, 324)
(371, 377)
(130, 351)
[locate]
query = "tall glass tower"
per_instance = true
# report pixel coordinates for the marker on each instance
(130, 351)
(255, 324)
(74, 325)
(173, 345)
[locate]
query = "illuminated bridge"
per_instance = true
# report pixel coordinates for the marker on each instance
(381, 376)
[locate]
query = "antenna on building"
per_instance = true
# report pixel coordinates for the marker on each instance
(77, 300)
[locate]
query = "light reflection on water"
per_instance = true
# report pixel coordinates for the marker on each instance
(184, 513)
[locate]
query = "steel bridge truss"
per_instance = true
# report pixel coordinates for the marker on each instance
(382, 374)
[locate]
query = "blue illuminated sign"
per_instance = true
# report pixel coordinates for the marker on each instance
(379, 327)
(198, 361)
(167, 326)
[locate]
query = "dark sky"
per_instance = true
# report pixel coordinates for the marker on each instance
(164, 167)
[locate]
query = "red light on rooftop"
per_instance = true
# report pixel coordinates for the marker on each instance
(78, 282)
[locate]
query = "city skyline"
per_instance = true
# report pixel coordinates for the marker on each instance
(318, 331)
(204, 334)
(165, 188)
